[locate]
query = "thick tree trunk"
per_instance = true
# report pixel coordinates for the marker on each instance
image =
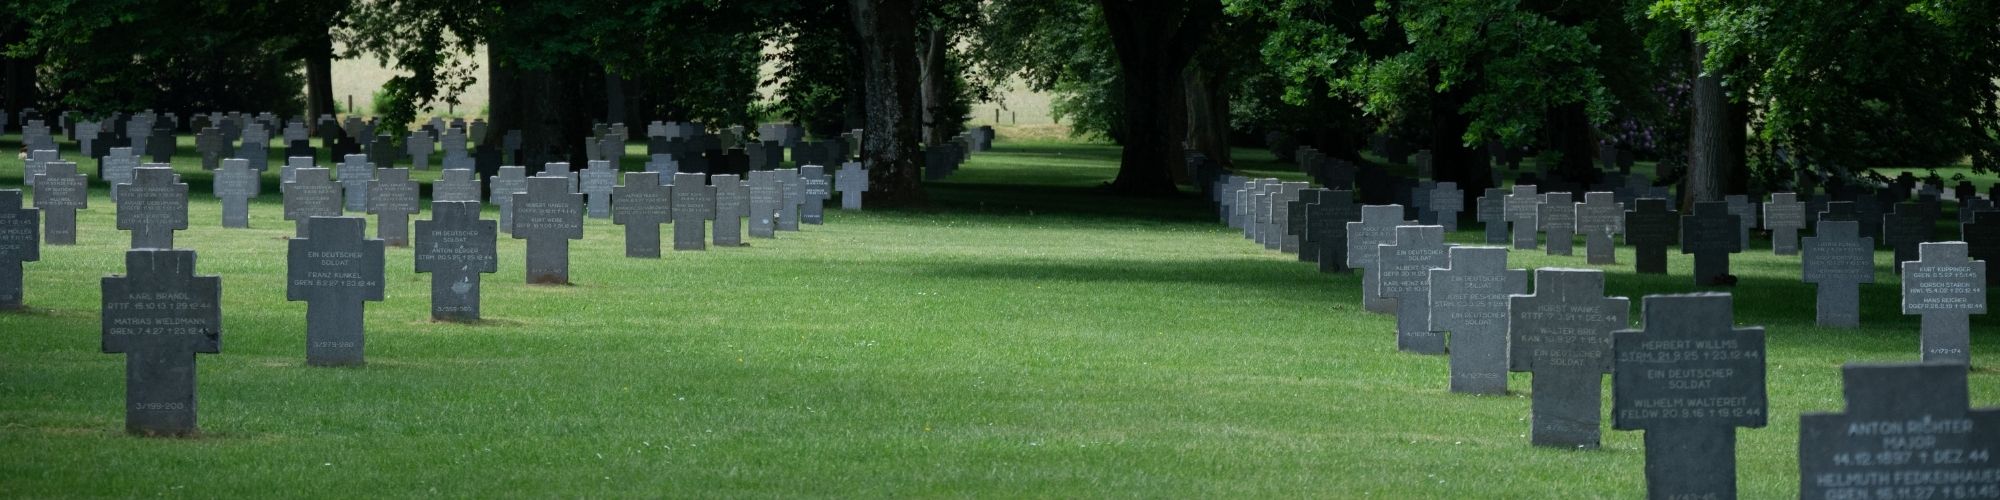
(614, 97)
(1208, 113)
(1707, 139)
(1735, 146)
(1154, 41)
(319, 81)
(933, 88)
(889, 68)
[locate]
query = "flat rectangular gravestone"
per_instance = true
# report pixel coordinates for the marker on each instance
(851, 181)
(1326, 228)
(336, 271)
(732, 203)
(792, 195)
(235, 183)
(597, 181)
(1650, 227)
(694, 205)
(1295, 220)
(59, 192)
(766, 195)
(1982, 241)
(456, 184)
(642, 205)
(1746, 217)
(1447, 201)
(1405, 277)
(392, 198)
(817, 189)
(418, 146)
(456, 247)
(548, 215)
(1601, 218)
(1711, 235)
(1523, 209)
(1376, 227)
(1946, 287)
(1907, 434)
(1492, 213)
(153, 206)
(1910, 225)
(509, 181)
(1784, 215)
(1838, 262)
(1689, 380)
(1562, 335)
(20, 241)
(1468, 299)
(159, 314)
(116, 168)
(354, 173)
(1557, 217)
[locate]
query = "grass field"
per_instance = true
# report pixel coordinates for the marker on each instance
(1026, 337)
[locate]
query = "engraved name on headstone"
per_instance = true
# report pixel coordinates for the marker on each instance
(766, 194)
(1601, 218)
(310, 193)
(1523, 208)
(392, 198)
(1689, 379)
(642, 205)
(1376, 227)
(792, 196)
(354, 173)
(1838, 262)
(153, 206)
(1326, 228)
(1405, 277)
(1784, 215)
(59, 192)
(20, 241)
(235, 183)
(1562, 335)
(1907, 434)
(1557, 218)
(456, 184)
(597, 181)
(1469, 301)
(336, 272)
(159, 314)
(456, 247)
(1946, 287)
(1491, 212)
(548, 215)
(732, 203)
(510, 181)
(694, 205)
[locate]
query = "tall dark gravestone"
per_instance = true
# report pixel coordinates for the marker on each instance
(1710, 234)
(548, 215)
(212, 145)
(766, 193)
(816, 189)
(59, 192)
(311, 193)
(1492, 213)
(153, 206)
(1326, 228)
(694, 205)
(1557, 218)
(1907, 434)
(1405, 277)
(1601, 218)
(642, 205)
(1377, 227)
(1562, 335)
(159, 314)
(1746, 218)
(20, 241)
(456, 247)
(392, 198)
(732, 203)
(1838, 262)
(1295, 232)
(1689, 380)
(792, 196)
(1650, 227)
(1784, 215)
(1468, 300)
(1946, 287)
(336, 272)
(1523, 207)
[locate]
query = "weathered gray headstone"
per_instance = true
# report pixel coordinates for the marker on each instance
(642, 205)
(1376, 227)
(1282, 238)
(597, 182)
(1650, 227)
(1710, 234)
(851, 180)
(456, 184)
(1784, 215)
(1689, 380)
(235, 183)
(1562, 335)
(792, 196)
(153, 206)
(159, 314)
(1405, 277)
(816, 190)
(1601, 218)
(212, 145)
(732, 203)
(456, 247)
(355, 172)
(1469, 300)
(510, 181)
(418, 146)
(694, 205)
(1326, 229)
(1492, 213)
(1839, 263)
(766, 193)
(36, 164)
(664, 165)
(1447, 201)
(116, 168)
(1946, 287)
(310, 194)
(20, 241)
(561, 170)
(392, 198)
(1557, 217)
(1295, 220)
(59, 192)
(1523, 210)
(1746, 217)
(336, 271)
(1907, 434)
(548, 215)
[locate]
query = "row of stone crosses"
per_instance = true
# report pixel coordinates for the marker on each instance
(1690, 377)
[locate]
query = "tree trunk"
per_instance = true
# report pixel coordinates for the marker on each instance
(1154, 41)
(1707, 139)
(1208, 113)
(614, 97)
(1735, 137)
(319, 81)
(933, 70)
(889, 67)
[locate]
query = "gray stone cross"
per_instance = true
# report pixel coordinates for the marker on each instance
(1492, 213)
(1784, 215)
(1946, 287)
(508, 182)
(60, 191)
(418, 146)
(355, 172)
(159, 314)
(235, 183)
(642, 205)
(116, 168)
(1838, 262)
(1982, 240)
(1469, 301)
(1601, 218)
(597, 181)
(456, 247)
(1562, 335)
(1447, 200)
(1523, 208)
(392, 198)
(212, 145)
(1905, 228)
(1710, 233)
(310, 193)
(851, 180)
(1689, 380)
(1746, 217)
(1377, 227)
(1907, 433)
(1557, 217)
(1405, 277)
(153, 206)
(456, 184)
(548, 215)
(694, 205)
(766, 193)
(1326, 229)
(20, 241)
(792, 196)
(336, 272)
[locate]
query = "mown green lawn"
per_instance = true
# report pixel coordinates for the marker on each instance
(1026, 337)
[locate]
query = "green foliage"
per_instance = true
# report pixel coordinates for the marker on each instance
(1058, 46)
(184, 56)
(817, 85)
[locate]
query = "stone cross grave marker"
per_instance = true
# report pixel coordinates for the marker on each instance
(509, 182)
(1406, 278)
(1523, 208)
(212, 145)
(817, 190)
(1282, 238)
(153, 206)
(1971, 208)
(1562, 335)
(1746, 218)
(456, 184)
(1689, 380)
(1295, 220)
(1601, 218)
(456, 247)
(1376, 227)
(382, 151)
(766, 193)
(1556, 216)
(694, 205)
(256, 147)
(591, 150)
(664, 165)
(1907, 433)
(453, 145)
(732, 203)
(292, 164)
(1246, 207)
(1469, 300)
(355, 172)
(1982, 241)
(1784, 215)
(234, 184)
(1906, 228)
(418, 146)
(1447, 200)
(1326, 228)
(336, 272)
(159, 314)
(1869, 212)
(310, 193)
(59, 192)
(792, 195)
(597, 181)
(642, 205)
(1492, 213)
(548, 215)
(851, 180)
(116, 168)
(1711, 235)
(1946, 287)
(37, 163)
(392, 198)
(561, 170)
(20, 241)
(86, 137)
(1838, 262)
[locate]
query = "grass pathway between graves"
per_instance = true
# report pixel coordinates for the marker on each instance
(1027, 338)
